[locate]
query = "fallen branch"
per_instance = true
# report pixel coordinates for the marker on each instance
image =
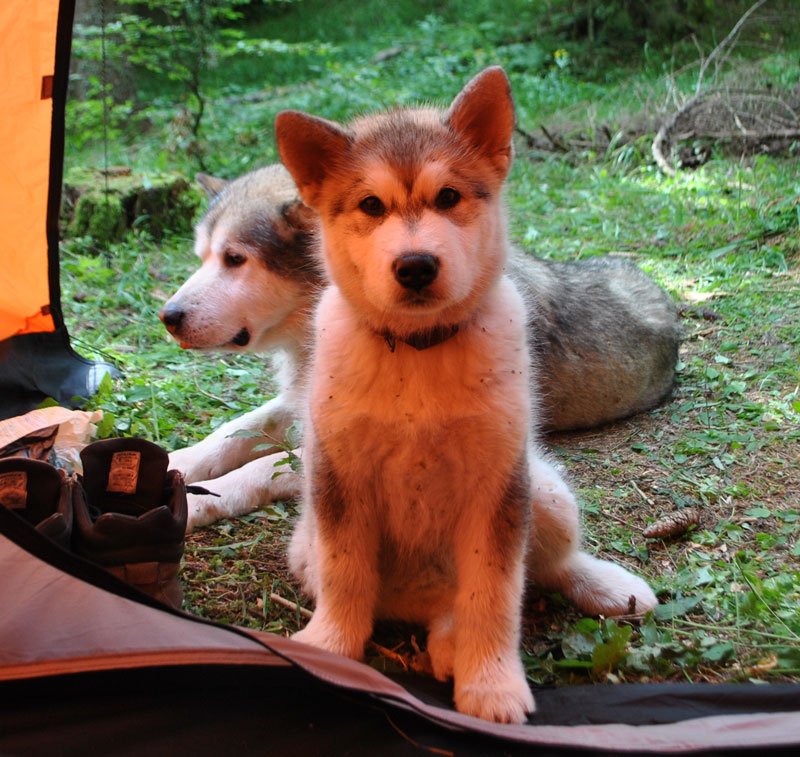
(758, 121)
(556, 141)
(753, 118)
(390, 654)
(569, 142)
(647, 499)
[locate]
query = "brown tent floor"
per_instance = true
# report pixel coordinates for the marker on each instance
(85, 659)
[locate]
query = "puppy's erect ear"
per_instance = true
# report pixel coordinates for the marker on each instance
(212, 184)
(310, 148)
(483, 112)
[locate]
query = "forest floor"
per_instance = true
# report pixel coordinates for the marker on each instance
(723, 239)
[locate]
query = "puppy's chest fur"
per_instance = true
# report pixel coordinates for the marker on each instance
(418, 436)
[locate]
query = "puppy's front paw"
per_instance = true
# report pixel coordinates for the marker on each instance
(498, 693)
(600, 587)
(323, 636)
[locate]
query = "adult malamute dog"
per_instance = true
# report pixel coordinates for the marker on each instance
(422, 470)
(604, 335)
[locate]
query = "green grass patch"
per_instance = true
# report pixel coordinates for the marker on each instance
(724, 240)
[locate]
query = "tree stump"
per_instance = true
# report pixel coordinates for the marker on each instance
(106, 208)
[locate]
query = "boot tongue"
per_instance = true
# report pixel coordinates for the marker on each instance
(124, 475)
(123, 472)
(14, 489)
(30, 487)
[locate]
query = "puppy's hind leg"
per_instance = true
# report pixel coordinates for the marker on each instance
(441, 646)
(555, 560)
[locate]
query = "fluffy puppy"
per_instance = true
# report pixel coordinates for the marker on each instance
(422, 471)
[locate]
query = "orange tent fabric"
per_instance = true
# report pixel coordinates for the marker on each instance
(27, 63)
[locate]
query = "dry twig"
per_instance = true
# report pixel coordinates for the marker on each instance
(279, 600)
(724, 47)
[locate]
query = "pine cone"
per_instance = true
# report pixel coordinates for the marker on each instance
(674, 524)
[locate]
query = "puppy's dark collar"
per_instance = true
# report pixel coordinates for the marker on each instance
(421, 340)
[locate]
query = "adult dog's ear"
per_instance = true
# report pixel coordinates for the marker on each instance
(299, 216)
(212, 185)
(310, 148)
(483, 112)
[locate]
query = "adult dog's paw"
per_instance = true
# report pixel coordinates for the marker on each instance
(498, 694)
(204, 509)
(194, 463)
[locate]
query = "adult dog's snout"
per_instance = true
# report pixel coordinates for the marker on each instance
(415, 270)
(172, 316)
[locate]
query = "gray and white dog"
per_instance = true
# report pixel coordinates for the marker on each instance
(604, 335)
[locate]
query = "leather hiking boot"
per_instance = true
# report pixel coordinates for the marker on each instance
(132, 519)
(40, 494)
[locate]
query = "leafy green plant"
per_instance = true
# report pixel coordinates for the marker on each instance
(288, 445)
(597, 646)
(174, 41)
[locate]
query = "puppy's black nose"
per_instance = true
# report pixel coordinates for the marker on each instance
(415, 270)
(172, 317)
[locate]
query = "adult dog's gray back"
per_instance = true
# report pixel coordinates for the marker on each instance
(604, 337)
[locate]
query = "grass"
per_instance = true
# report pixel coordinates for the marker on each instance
(724, 240)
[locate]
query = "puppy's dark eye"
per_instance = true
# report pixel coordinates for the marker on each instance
(447, 198)
(372, 206)
(233, 259)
